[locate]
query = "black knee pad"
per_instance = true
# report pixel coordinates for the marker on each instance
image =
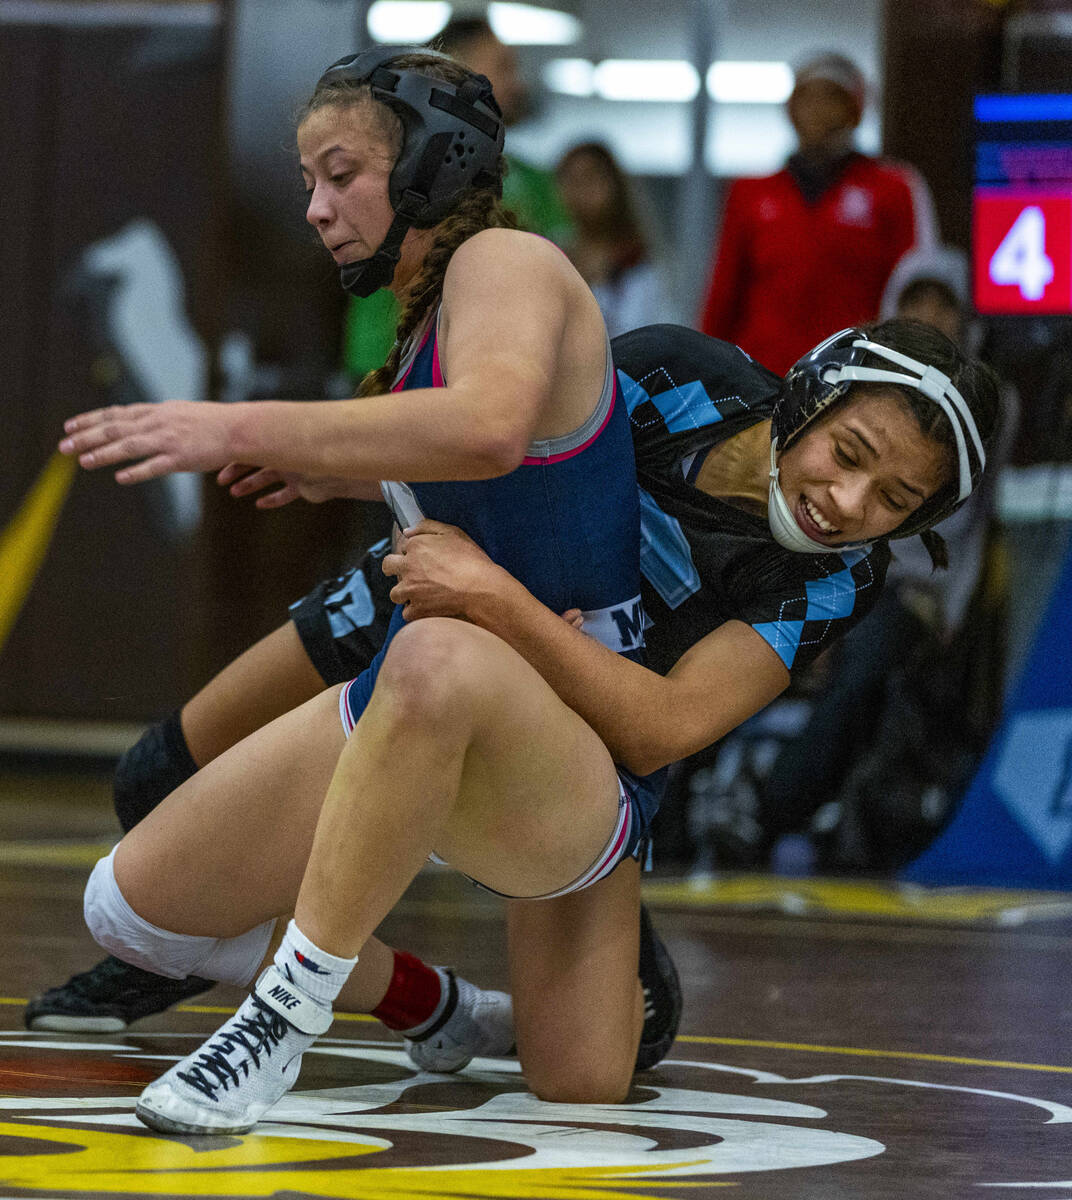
(150, 770)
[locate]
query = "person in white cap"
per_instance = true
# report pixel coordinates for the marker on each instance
(809, 249)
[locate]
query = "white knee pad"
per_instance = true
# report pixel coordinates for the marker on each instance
(119, 930)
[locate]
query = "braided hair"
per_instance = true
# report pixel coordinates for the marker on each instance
(476, 210)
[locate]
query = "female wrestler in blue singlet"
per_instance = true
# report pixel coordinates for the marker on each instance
(566, 520)
(500, 778)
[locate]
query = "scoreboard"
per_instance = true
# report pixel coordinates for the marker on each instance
(1022, 205)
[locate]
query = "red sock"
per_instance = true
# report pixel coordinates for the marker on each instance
(413, 995)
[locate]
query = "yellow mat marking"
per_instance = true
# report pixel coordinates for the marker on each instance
(53, 854)
(705, 1040)
(861, 1052)
(102, 1162)
(893, 901)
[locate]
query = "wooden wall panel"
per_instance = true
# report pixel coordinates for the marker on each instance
(102, 125)
(938, 54)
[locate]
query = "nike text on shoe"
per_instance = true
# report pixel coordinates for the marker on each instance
(474, 1023)
(108, 997)
(251, 1061)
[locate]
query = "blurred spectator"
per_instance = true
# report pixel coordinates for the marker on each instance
(609, 248)
(528, 191)
(872, 768)
(932, 284)
(808, 251)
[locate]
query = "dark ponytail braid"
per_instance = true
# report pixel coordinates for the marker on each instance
(476, 210)
(936, 548)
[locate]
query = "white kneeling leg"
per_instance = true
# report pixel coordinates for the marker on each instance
(119, 930)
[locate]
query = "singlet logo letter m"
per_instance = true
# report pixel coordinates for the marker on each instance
(630, 623)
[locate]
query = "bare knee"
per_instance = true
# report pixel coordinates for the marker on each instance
(563, 1083)
(431, 673)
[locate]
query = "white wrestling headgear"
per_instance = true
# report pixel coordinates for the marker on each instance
(823, 377)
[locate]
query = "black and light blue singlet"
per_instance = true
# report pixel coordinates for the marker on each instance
(706, 561)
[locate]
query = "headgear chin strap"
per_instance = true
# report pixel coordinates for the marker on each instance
(368, 275)
(783, 526)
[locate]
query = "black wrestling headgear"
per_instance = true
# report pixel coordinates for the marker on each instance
(452, 138)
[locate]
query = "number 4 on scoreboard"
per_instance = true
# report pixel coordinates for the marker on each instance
(1021, 258)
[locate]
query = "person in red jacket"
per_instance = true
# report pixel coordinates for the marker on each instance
(809, 250)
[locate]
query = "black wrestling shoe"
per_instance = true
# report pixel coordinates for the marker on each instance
(662, 996)
(108, 997)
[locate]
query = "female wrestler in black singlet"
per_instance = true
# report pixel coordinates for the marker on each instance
(858, 468)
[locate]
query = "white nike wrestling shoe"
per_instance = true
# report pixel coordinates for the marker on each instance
(248, 1064)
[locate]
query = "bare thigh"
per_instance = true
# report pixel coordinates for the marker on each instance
(227, 849)
(537, 794)
(578, 1008)
(272, 677)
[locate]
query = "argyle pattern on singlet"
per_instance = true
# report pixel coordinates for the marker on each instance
(704, 560)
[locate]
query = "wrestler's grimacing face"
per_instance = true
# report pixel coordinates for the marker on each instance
(346, 163)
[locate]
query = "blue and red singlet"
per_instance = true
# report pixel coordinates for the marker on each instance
(566, 522)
